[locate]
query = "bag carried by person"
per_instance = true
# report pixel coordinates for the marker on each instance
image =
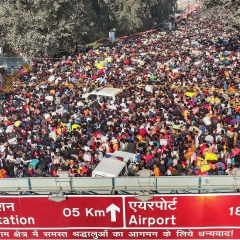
(205, 168)
(201, 162)
(34, 164)
(211, 156)
(220, 166)
(150, 163)
(206, 121)
(203, 165)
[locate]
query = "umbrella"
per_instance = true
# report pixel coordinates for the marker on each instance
(225, 96)
(202, 129)
(17, 123)
(67, 92)
(75, 126)
(193, 128)
(102, 80)
(63, 69)
(142, 131)
(101, 71)
(46, 115)
(99, 66)
(108, 59)
(225, 54)
(12, 140)
(77, 121)
(207, 150)
(37, 121)
(57, 101)
(195, 110)
(148, 88)
(12, 109)
(194, 43)
(53, 135)
(9, 129)
(49, 98)
(65, 115)
(89, 143)
(99, 135)
(235, 151)
(176, 127)
(104, 139)
(190, 94)
(51, 78)
(129, 69)
(209, 138)
(64, 120)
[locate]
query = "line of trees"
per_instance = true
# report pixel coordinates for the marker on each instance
(230, 7)
(43, 27)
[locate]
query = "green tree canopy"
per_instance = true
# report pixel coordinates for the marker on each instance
(230, 7)
(43, 27)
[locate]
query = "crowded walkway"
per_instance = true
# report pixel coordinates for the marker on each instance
(178, 109)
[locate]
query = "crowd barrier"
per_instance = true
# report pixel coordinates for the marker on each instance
(121, 185)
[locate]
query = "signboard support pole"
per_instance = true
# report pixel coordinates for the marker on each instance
(199, 185)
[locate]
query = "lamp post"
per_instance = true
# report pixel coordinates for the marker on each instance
(112, 34)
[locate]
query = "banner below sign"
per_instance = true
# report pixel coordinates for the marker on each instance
(121, 234)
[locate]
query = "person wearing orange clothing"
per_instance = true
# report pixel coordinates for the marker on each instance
(188, 154)
(59, 130)
(156, 170)
(3, 173)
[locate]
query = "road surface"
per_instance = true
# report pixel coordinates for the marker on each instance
(182, 4)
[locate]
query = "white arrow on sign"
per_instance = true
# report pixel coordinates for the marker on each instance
(113, 209)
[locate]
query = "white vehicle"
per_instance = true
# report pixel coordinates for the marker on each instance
(107, 92)
(114, 164)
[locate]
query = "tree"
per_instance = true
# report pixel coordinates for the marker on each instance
(132, 16)
(230, 7)
(43, 26)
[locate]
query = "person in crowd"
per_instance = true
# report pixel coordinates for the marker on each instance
(156, 170)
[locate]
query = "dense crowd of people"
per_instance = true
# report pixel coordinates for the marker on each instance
(178, 110)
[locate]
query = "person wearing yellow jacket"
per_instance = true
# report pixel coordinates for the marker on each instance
(188, 154)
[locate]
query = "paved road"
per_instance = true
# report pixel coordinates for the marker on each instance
(182, 4)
